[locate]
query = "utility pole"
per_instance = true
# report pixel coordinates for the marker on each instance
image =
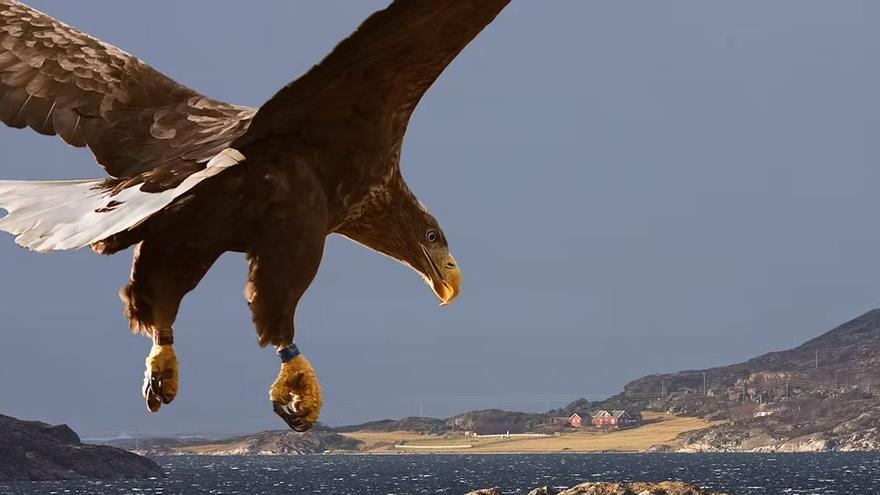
(421, 409)
(662, 389)
(704, 383)
(817, 358)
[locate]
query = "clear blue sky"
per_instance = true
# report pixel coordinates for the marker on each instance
(629, 187)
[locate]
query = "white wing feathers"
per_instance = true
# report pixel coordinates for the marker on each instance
(70, 214)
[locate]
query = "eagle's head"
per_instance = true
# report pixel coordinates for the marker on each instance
(403, 229)
(416, 240)
(437, 265)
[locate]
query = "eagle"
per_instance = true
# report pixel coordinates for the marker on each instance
(189, 178)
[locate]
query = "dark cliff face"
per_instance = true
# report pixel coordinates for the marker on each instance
(821, 395)
(30, 450)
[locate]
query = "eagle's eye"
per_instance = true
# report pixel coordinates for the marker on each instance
(432, 236)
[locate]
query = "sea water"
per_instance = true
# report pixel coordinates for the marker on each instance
(740, 474)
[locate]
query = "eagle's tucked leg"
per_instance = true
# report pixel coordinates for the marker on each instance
(284, 258)
(160, 277)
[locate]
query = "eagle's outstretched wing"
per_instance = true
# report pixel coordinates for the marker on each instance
(58, 80)
(157, 138)
(368, 87)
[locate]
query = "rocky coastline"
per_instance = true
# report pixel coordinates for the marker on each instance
(861, 433)
(35, 451)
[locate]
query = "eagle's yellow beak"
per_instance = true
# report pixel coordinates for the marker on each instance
(445, 277)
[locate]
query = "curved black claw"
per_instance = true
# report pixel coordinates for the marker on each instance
(294, 419)
(153, 391)
(154, 394)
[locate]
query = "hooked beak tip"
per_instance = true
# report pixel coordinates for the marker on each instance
(448, 296)
(449, 286)
(445, 277)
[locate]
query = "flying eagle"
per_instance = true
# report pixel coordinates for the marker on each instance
(190, 177)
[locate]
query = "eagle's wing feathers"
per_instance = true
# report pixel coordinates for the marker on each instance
(157, 138)
(58, 80)
(371, 82)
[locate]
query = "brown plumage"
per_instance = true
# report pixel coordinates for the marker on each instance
(192, 177)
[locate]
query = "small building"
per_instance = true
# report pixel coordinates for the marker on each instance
(575, 420)
(614, 419)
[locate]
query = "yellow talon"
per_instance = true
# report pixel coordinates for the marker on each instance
(296, 394)
(160, 377)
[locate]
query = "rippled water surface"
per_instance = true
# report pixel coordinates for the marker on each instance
(838, 473)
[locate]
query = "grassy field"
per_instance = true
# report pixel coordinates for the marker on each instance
(658, 429)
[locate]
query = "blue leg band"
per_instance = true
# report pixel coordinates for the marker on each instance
(288, 353)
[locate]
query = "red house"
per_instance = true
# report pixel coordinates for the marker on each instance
(575, 420)
(614, 419)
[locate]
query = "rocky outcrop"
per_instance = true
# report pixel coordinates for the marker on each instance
(781, 434)
(34, 451)
(861, 433)
(662, 488)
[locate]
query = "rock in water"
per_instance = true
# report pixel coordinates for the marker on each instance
(34, 451)
(663, 488)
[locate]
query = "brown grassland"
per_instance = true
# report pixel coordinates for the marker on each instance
(658, 428)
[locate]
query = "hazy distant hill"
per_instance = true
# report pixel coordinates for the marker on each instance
(821, 395)
(483, 421)
(414, 424)
(276, 442)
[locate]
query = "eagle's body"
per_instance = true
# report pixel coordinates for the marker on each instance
(192, 178)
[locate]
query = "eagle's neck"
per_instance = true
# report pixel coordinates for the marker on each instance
(381, 219)
(376, 201)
